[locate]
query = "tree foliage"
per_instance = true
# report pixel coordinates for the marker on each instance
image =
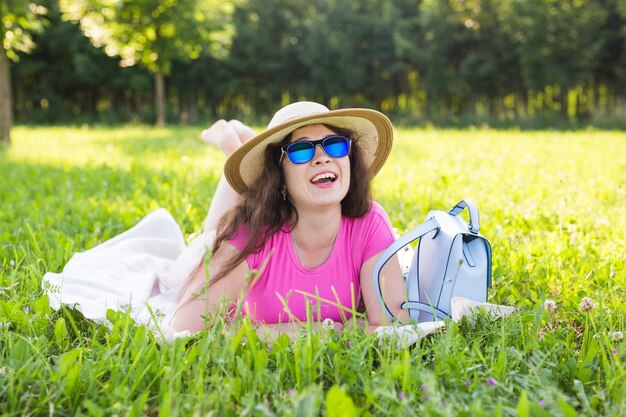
(439, 60)
(19, 19)
(153, 33)
(553, 40)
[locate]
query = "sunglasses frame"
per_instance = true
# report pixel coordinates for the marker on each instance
(314, 143)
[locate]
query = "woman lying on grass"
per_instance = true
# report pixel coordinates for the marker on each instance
(294, 212)
(297, 208)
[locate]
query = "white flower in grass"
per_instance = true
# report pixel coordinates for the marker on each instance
(244, 340)
(616, 336)
(328, 324)
(550, 306)
(587, 304)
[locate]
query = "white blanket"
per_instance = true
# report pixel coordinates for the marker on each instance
(142, 269)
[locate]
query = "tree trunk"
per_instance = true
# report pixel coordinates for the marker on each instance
(193, 110)
(564, 101)
(159, 98)
(6, 117)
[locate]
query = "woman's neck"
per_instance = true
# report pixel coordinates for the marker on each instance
(317, 228)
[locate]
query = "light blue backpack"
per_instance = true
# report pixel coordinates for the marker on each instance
(451, 260)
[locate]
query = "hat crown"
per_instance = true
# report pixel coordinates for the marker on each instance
(295, 110)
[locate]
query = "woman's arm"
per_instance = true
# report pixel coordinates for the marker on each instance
(199, 301)
(394, 291)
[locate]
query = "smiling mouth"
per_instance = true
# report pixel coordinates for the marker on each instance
(324, 178)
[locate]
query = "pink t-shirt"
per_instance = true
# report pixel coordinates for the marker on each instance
(284, 287)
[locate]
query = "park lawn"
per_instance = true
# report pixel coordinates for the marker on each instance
(553, 205)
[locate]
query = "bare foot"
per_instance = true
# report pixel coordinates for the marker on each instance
(244, 132)
(222, 135)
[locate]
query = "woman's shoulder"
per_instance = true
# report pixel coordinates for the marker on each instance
(370, 234)
(377, 209)
(243, 234)
(376, 212)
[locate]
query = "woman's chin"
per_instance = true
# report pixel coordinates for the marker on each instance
(327, 196)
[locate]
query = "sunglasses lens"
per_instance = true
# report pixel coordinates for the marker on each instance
(336, 146)
(300, 152)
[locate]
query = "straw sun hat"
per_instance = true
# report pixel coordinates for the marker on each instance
(374, 135)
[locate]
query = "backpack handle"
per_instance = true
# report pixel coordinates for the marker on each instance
(474, 219)
(424, 228)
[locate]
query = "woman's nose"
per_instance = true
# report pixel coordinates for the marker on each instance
(320, 157)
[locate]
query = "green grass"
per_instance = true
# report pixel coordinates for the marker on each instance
(553, 205)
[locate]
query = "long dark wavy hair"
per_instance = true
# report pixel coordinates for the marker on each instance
(264, 211)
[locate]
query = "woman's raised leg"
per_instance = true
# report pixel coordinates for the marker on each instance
(228, 136)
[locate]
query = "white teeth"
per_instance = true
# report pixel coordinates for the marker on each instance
(324, 175)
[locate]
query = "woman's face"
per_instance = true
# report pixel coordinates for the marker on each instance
(323, 181)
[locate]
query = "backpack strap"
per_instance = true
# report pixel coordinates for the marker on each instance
(474, 220)
(426, 227)
(416, 305)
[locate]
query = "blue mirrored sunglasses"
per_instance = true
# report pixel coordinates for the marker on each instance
(302, 151)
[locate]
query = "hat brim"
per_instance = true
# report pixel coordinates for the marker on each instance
(373, 130)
